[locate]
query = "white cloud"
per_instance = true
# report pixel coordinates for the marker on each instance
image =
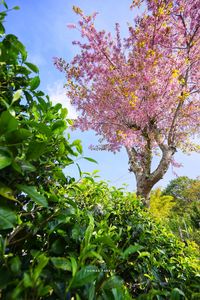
(57, 94)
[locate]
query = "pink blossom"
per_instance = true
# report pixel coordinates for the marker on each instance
(71, 26)
(141, 92)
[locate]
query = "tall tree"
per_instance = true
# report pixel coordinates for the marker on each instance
(141, 92)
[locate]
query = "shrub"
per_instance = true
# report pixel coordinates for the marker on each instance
(184, 219)
(161, 205)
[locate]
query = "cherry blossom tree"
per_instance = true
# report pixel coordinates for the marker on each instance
(140, 92)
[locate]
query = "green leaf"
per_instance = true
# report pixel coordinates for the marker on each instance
(59, 126)
(16, 95)
(28, 96)
(16, 8)
(17, 136)
(89, 253)
(28, 282)
(176, 294)
(27, 166)
(7, 123)
(57, 246)
(144, 254)
(74, 265)
(112, 282)
(42, 128)
(32, 192)
(45, 291)
(15, 264)
(32, 67)
(91, 292)
(78, 145)
(16, 167)
(17, 45)
(8, 218)
(57, 107)
(61, 148)
(3, 245)
(22, 50)
(78, 297)
(23, 70)
(42, 103)
(42, 262)
(90, 159)
(131, 249)
(69, 149)
(106, 240)
(5, 277)
(40, 94)
(79, 170)
(36, 149)
(5, 158)
(4, 3)
(70, 122)
(89, 230)
(76, 232)
(64, 113)
(2, 29)
(86, 275)
(34, 83)
(61, 263)
(6, 192)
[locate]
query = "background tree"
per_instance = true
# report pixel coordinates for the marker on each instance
(184, 218)
(142, 92)
(183, 189)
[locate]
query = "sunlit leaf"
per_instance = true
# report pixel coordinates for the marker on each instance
(8, 123)
(5, 158)
(34, 83)
(6, 192)
(32, 192)
(17, 95)
(90, 159)
(33, 67)
(131, 250)
(61, 263)
(86, 275)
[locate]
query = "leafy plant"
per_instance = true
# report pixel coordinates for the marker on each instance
(184, 219)
(161, 205)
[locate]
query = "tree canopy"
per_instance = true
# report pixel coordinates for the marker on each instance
(142, 91)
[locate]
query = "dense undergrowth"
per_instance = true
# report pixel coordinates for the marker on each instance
(62, 239)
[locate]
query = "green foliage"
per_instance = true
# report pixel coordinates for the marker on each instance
(160, 205)
(184, 189)
(61, 239)
(185, 216)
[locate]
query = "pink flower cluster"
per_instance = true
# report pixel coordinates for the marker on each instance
(144, 88)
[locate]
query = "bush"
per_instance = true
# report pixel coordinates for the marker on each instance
(161, 205)
(184, 219)
(61, 239)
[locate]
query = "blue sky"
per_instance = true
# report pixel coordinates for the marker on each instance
(42, 27)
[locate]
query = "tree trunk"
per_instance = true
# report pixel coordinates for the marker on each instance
(140, 165)
(143, 191)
